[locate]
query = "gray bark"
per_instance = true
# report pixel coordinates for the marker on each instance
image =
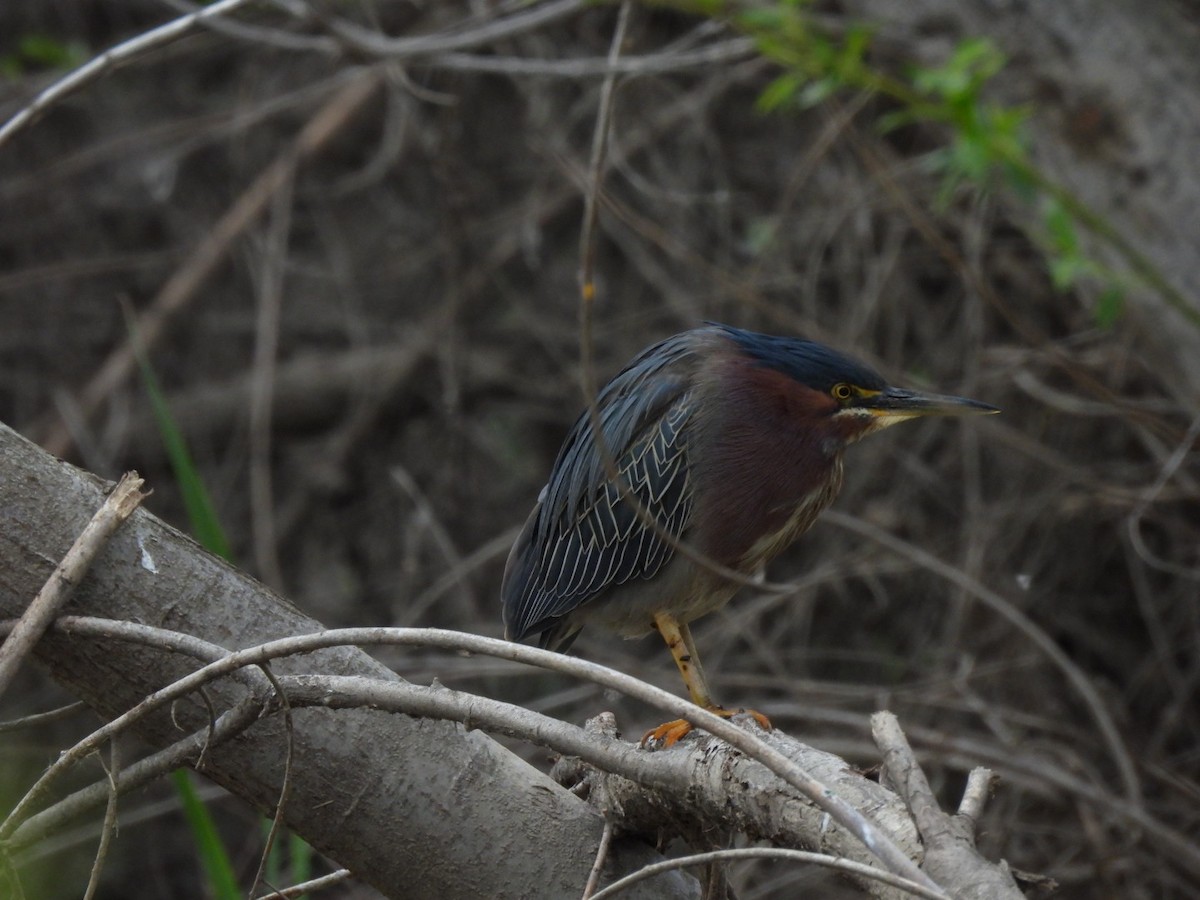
(415, 807)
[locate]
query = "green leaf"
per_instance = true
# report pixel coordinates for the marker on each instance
(780, 92)
(1065, 271)
(1060, 226)
(970, 157)
(44, 50)
(1109, 306)
(40, 51)
(889, 122)
(851, 59)
(760, 235)
(974, 61)
(762, 18)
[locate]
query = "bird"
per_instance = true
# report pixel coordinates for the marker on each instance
(702, 460)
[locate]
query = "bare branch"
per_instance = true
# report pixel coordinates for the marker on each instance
(641, 770)
(537, 16)
(726, 51)
(110, 59)
(979, 787)
(109, 828)
(184, 752)
(950, 854)
(57, 590)
(310, 886)
(52, 715)
(847, 866)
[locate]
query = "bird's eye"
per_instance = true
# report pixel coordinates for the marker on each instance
(842, 392)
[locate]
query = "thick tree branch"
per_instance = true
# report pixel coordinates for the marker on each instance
(369, 790)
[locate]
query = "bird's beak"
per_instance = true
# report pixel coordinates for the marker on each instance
(894, 404)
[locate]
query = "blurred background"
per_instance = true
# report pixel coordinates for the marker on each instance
(357, 286)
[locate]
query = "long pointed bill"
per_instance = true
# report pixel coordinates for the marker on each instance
(894, 404)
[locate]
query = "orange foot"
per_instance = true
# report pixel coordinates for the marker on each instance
(670, 733)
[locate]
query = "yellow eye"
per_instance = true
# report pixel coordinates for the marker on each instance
(842, 392)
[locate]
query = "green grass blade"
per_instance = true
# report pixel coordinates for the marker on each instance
(201, 514)
(213, 855)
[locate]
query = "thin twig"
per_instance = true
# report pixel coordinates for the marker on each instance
(847, 866)
(587, 231)
(536, 16)
(867, 831)
(727, 51)
(94, 68)
(285, 789)
(310, 886)
(601, 855)
(57, 590)
(183, 752)
(1133, 524)
(275, 38)
(262, 394)
(109, 828)
(976, 793)
(427, 520)
(53, 715)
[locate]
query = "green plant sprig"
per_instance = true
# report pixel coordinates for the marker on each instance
(988, 140)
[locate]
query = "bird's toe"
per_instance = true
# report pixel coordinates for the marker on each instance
(667, 734)
(670, 733)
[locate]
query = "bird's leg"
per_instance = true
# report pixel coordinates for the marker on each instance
(678, 637)
(683, 649)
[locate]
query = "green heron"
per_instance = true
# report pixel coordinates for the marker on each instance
(728, 441)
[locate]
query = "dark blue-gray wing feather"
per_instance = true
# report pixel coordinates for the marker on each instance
(585, 536)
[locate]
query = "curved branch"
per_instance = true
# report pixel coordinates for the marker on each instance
(705, 782)
(847, 866)
(874, 838)
(369, 790)
(185, 752)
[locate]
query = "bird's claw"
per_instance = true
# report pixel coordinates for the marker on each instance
(670, 733)
(666, 735)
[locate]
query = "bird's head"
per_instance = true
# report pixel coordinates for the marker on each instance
(832, 392)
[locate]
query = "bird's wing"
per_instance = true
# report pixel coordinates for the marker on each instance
(585, 535)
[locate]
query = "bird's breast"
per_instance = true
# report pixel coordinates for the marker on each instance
(749, 517)
(781, 526)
